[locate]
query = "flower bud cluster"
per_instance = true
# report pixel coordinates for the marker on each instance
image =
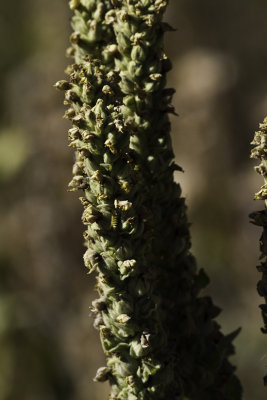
(158, 335)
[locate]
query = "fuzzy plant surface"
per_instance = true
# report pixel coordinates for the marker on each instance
(259, 218)
(158, 334)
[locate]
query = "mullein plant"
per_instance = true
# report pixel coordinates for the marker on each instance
(158, 334)
(259, 218)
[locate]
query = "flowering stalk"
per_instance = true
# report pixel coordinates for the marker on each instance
(159, 337)
(259, 218)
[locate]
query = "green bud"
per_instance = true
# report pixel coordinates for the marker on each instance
(136, 349)
(123, 41)
(138, 53)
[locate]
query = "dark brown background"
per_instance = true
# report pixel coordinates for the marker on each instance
(48, 348)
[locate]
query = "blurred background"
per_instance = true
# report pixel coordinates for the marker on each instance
(48, 347)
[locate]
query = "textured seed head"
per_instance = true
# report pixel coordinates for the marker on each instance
(137, 233)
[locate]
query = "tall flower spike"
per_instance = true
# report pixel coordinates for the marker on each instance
(259, 218)
(159, 337)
